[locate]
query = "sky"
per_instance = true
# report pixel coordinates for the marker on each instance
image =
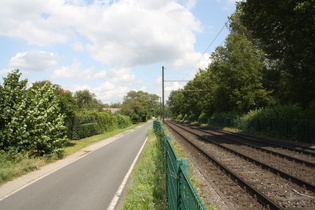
(111, 47)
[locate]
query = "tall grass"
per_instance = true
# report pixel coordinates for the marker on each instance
(14, 165)
(148, 189)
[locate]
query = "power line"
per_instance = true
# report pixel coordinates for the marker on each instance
(206, 49)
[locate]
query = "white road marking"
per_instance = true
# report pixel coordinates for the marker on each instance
(114, 201)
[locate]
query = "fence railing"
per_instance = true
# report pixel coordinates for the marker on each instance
(180, 191)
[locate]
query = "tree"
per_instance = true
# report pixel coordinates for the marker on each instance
(33, 123)
(12, 94)
(66, 102)
(237, 71)
(175, 102)
(86, 100)
(140, 105)
(286, 30)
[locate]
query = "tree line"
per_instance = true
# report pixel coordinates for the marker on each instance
(267, 61)
(41, 119)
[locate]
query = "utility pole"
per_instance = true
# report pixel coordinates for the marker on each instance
(162, 94)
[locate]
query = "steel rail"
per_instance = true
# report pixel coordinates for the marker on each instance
(307, 163)
(270, 204)
(282, 174)
(288, 146)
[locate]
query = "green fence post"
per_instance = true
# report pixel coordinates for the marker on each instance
(184, 164)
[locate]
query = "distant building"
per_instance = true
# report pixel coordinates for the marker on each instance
(112, 110)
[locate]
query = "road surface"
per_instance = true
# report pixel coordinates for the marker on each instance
(88, 183)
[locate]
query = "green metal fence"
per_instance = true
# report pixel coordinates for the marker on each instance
(180, 192)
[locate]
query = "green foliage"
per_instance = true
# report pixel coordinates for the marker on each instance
(224, 119)
(140, 106)
(106, 121)
(192, 117)
(286, 121)
(85, 100)
(14, 164)
(148, 190)
(203, 115)
(179, 117)
(97, 122)
(285, 31)
(237, 70)
(32, 120)
(176, 102)
(123, 121)
(86, 130)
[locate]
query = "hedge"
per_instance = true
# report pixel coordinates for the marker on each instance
(85, 124)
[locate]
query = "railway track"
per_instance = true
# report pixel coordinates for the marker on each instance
(294, 152)
(272, 187)
(279, 156)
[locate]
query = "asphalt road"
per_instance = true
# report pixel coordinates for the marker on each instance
(88, 183)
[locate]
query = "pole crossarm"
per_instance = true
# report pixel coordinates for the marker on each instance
(177, 80)
(199, 80)
(195, 90)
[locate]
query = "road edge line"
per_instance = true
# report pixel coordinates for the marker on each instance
(115, 199)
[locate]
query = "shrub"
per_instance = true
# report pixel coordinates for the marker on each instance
(192, 118)
(286, 121)
(123, 121)
(86, 130)
(106, 121)
(224, 119)
(74, 125)
(203, 118)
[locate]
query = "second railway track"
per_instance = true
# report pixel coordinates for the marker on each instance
(271, 186)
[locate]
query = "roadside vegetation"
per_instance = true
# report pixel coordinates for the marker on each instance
(15, 165)
(42, 122)
(148, 183)
(262, 79)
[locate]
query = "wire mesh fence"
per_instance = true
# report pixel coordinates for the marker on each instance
(180, 191)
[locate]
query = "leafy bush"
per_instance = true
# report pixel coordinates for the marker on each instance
(179, 117)
(192, 117)
(86, 130)
(31, 120)
(106, 121)
(224, 119)
(287, 121)
(74, 124)
(123, 121)
(185, 117)
(203, 118)
(98, 122)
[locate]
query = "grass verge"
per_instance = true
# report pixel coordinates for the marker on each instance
(148, 188)
(196, 181)
(75, 145)
(15, 165)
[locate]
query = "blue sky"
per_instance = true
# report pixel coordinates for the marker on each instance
(110, 47)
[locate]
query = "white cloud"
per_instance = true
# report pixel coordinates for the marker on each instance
(78, 46)
(116, 81)
(130, 35)
(34, 60)
(107, 92)
(5, 71)
(121, 33)
(76, 71)
(173, 86)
